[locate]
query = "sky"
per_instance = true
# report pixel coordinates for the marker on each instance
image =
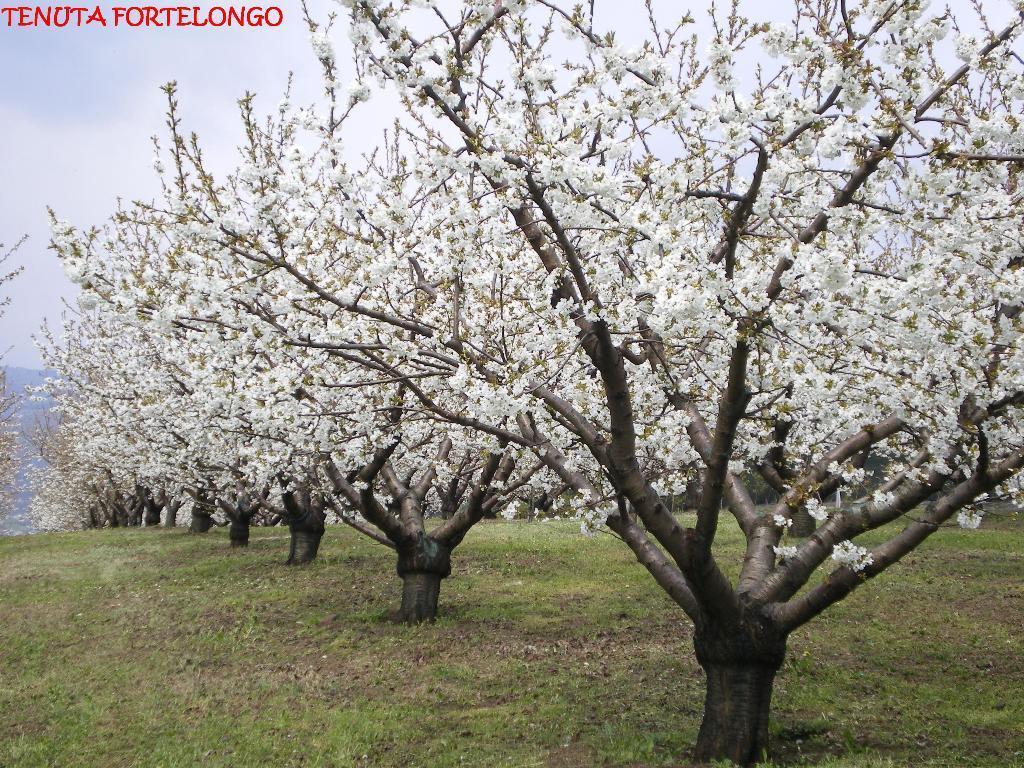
(78, 108)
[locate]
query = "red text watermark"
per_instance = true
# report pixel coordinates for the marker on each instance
(140, 16)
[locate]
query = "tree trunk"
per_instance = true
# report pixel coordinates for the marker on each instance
(691, 496)
(740, 666)
(152, 518)
(422, 564)
(201, 522)
(803, 524)
(420, 591)
(238, 532)
(306, 534)
(736, 707)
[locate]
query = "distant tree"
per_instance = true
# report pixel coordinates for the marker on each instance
(8, 399)
(175, 377)
(8, 445)
(90, 474)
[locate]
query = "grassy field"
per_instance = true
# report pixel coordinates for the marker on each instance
(160, 648)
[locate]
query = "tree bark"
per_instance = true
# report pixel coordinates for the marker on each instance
(306, 534)
(201, 521)
(740, 666)
(238, 532)
(420, 591)
(422, 564)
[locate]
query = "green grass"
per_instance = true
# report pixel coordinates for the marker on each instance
(160, 648)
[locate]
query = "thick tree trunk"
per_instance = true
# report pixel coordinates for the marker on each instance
(238, 532)
(803, 524)
(201, 522)
(419, 597)
(736, 707)
(421, 566)
(306, 534)
(740, 667)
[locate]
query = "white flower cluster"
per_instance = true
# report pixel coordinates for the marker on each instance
(856, 557)
(322, 46)
(816, 509)
(785, 553)
(358, 92)
(969, 518)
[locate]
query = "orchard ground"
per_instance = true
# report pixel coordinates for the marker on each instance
(161, 648)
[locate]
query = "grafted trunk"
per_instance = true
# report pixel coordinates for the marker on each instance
(201, 521)
(306, 534)
(736, 708)
(238, 532)
(422, 563)
(740, 666)
(420, 592)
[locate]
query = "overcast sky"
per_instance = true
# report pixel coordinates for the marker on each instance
(78, 108)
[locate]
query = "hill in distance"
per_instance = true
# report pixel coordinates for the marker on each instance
(16, 521)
